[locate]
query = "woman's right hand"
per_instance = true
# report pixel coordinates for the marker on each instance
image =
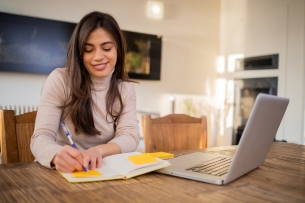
(68, 159)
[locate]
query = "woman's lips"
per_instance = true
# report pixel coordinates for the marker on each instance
(101, 66)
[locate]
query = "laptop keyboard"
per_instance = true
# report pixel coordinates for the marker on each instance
(218, 166)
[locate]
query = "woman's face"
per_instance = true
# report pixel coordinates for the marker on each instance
(100, 54)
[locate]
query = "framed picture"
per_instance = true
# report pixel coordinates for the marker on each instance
(33, 45)
(143, 59)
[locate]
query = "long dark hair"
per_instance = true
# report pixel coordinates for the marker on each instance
(79, 105)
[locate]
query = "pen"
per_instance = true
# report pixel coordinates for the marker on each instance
(70, 138)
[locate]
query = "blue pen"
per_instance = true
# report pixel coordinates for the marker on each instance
(69, 137)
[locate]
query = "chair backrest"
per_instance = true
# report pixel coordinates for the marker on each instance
(174, 132)
(15, 136)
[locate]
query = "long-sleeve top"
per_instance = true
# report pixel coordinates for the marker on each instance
(48, 137)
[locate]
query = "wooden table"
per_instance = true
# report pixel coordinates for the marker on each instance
(280, 179)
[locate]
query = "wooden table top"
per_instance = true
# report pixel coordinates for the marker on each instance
(280, 179)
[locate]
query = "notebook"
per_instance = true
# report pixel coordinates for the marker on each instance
(119, 166)
(254, 145)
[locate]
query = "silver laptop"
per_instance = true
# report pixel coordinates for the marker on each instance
(255, 142)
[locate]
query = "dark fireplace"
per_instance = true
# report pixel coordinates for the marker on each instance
(246, 91)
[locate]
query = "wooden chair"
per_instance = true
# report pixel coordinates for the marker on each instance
(174, 132)
(15, 136)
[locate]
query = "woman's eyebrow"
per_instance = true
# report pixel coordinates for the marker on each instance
(104, 43)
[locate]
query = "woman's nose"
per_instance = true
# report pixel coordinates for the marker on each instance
(99, 55)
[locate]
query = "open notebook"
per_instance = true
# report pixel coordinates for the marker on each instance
(253, 148)
(119, 166)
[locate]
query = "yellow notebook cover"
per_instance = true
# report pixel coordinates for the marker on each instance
(119, 166)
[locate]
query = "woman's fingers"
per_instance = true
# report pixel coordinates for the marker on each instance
(93, 162)
(63, 166)
(68, 159)
(76, 155)
(99, 162)
(93, 157)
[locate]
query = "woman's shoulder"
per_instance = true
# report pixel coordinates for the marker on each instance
(127, 91)
(126, 85)
(57, 78)
(59, 72)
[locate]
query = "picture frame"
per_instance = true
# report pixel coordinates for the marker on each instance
(143, 58)
(33, 45)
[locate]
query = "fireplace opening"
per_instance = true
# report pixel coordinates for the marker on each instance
(258, 62)
(246, 91)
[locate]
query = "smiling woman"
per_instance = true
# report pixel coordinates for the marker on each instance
(92, 95)
(100, 53)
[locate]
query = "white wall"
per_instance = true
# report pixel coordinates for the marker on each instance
(261, 27)
(192, 39)
(190, 31)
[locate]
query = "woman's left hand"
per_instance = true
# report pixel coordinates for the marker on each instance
(92, 157)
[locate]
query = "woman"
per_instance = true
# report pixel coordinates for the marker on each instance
(92, 95)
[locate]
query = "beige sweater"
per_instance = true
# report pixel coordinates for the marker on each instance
(49, 137)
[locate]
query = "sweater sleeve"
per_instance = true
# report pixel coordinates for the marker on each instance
(43, 141)
(127, 131)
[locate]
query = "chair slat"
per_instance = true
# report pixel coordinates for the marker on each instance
(9, 147)
(174, 132)
(16, 134)
(24, 134)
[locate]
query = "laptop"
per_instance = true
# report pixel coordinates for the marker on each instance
(254, 145)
